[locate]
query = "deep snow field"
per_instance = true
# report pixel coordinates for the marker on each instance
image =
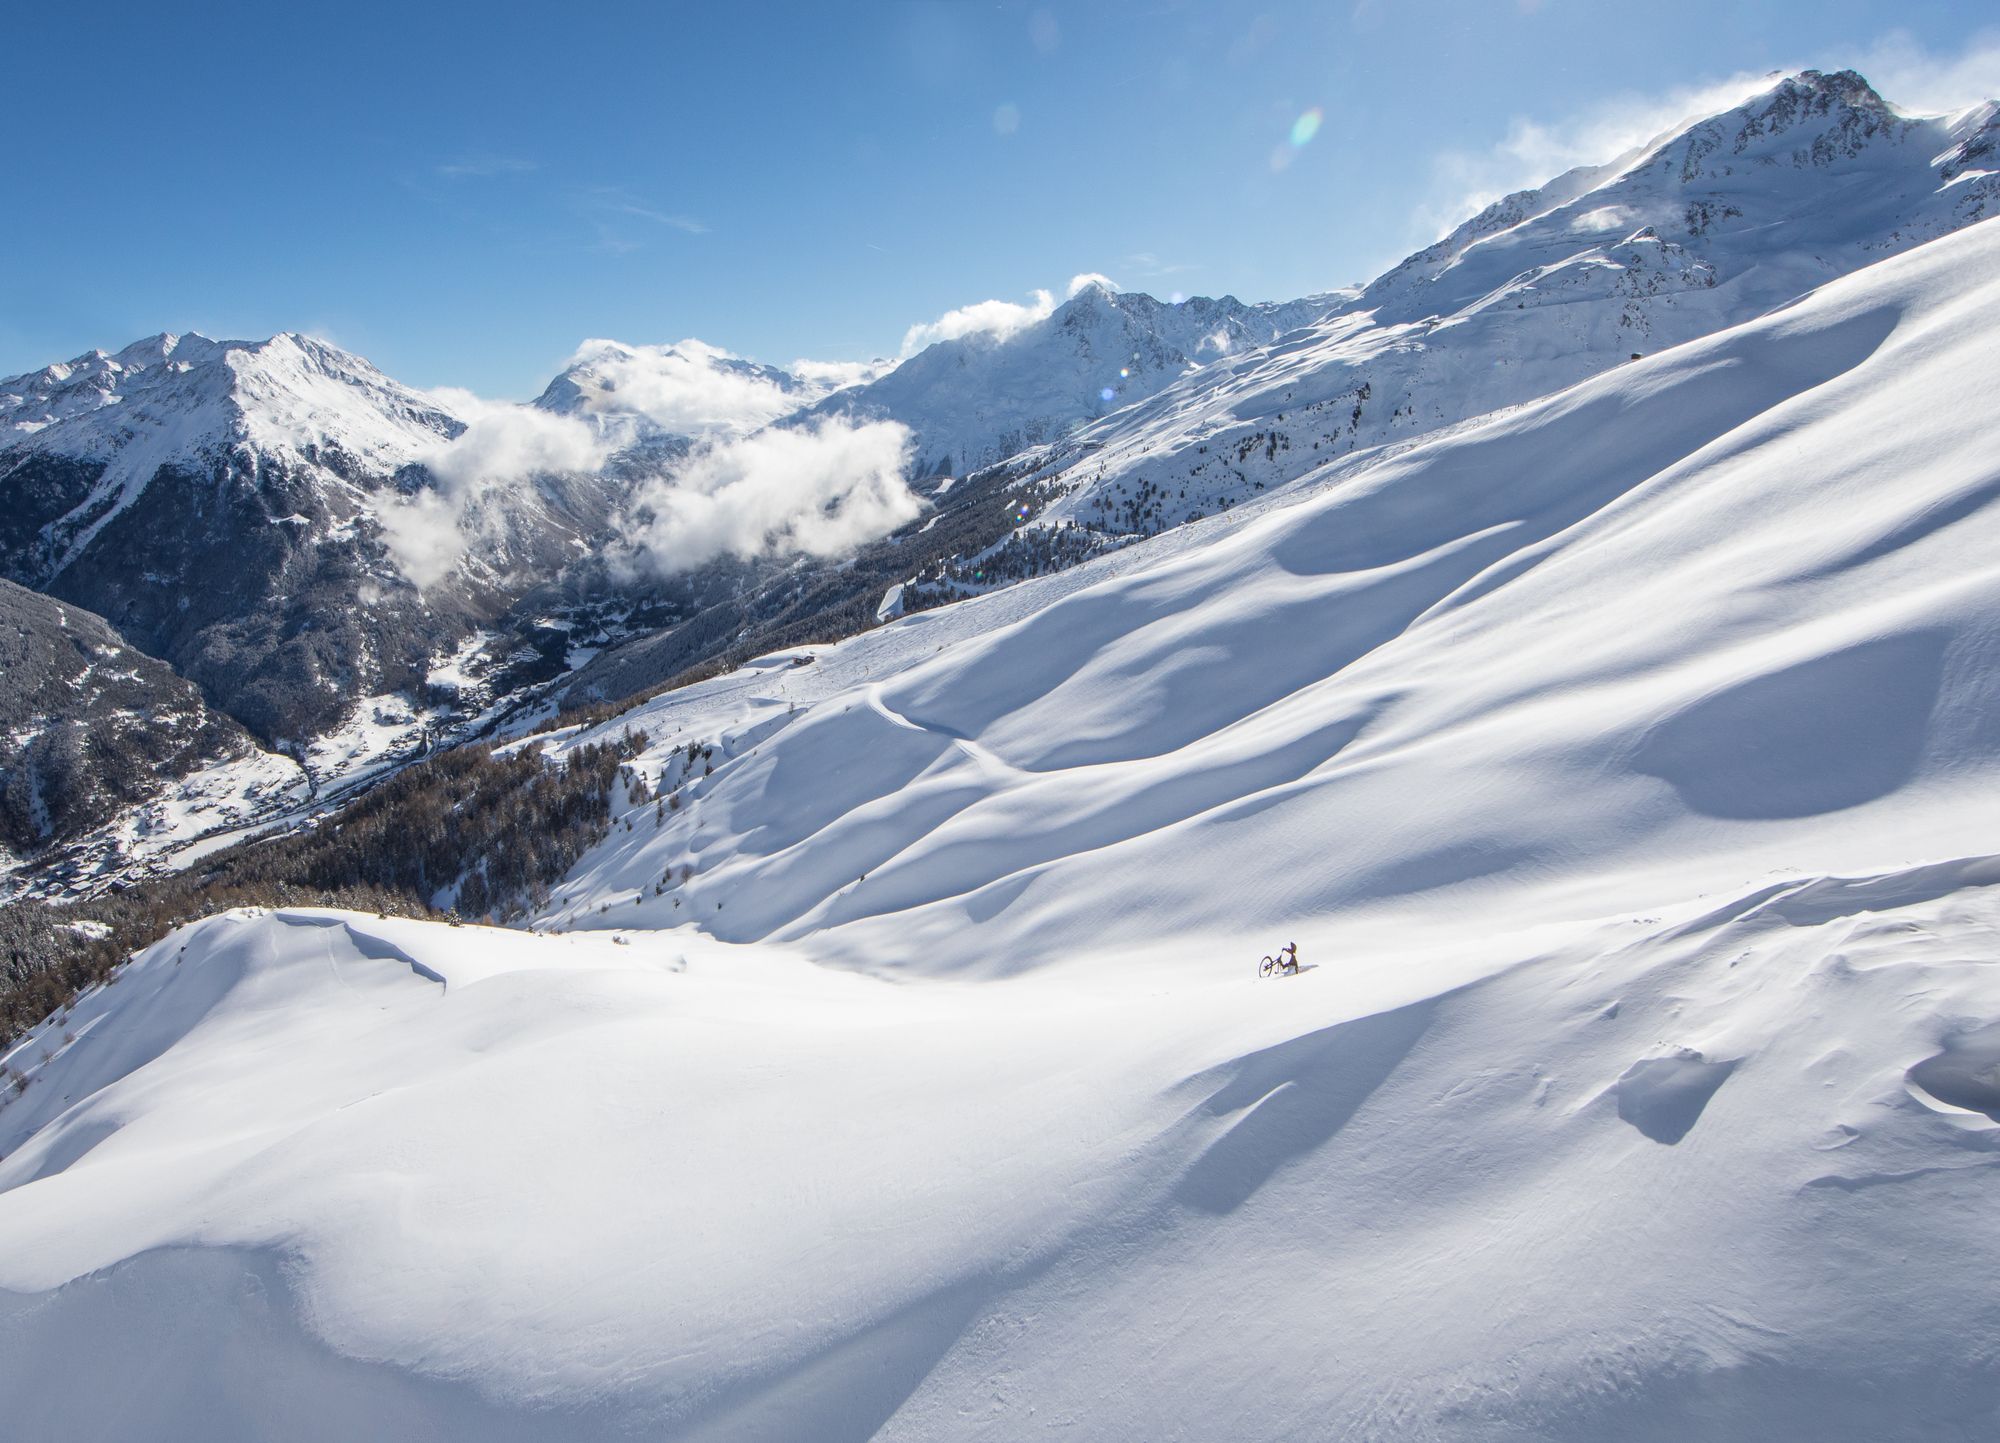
(1624, 764)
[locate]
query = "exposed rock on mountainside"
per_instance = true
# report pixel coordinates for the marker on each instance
(88, 726)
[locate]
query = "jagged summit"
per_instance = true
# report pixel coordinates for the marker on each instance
(1689, 180)
(218, 503)
(974, 399)
(1707, 225)
(171, 399)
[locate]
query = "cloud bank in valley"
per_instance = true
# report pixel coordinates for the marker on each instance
(746, 489)
(820, 489)
(686, 389)
(502, 448)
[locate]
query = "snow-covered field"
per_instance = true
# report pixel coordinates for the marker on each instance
(1623, 764)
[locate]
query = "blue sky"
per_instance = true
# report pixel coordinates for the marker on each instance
(464, 193)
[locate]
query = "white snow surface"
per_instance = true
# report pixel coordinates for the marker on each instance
(1624, 766)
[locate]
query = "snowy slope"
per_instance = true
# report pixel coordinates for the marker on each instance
(1708, 226)
(1553, 626)
(1625, 762)
(1657, 1177)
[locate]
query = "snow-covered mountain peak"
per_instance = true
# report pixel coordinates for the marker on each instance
(1708, 225)
(179, 399)
(1808, 119)
(212, 499)
(640, 395)
(978, 397)
(97, 378)
(310, 397)
(1747, 169)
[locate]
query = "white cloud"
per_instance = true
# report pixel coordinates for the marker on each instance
(689, 388)
(483, 167)
(503, 444)
(423, 537)
(622, 219)
(746, 491)
(821, 489)
(502, 447)
(838, 375)
(1927, 82)
(998, 319)
(1536, 151)
(1150, 266)
(1605, 217)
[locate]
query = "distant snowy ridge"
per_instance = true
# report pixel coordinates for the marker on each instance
(654, 396)
(979, 398)
(186, 400)
(1708, 226)
(224, 505)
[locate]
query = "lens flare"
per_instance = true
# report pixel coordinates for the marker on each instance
(1106, 395)
(1306, 127)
